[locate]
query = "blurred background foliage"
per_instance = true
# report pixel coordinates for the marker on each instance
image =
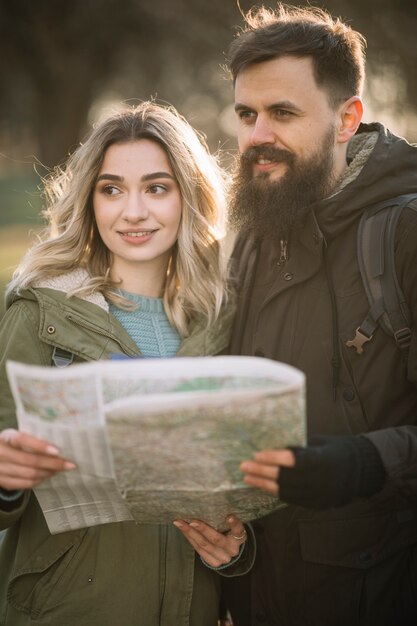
(63, 64)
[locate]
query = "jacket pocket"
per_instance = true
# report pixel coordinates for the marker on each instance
(34, 583)
(358, 542)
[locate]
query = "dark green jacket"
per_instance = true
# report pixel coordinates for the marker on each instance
(357, 564)
(115, 574)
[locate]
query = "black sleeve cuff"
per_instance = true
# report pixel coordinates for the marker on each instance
(373, 471)
(332, 471)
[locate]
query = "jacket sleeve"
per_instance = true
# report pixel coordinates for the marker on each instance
(18, 342)
(398, 450)
(244, 562)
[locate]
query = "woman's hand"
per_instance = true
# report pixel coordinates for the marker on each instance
(25, 461)
(214, 547)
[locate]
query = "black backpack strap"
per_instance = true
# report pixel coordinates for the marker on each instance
(376, 258)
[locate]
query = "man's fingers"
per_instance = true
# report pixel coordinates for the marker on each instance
(276, 457)
(260, 469)
(267, 485)
(263, 471)
(267, 463)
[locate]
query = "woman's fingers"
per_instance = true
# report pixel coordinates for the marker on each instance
(214, 547)
(206, 541)
(34, 461)
(13, 483)
(25, 461)
(237, 530)
(24, 441)
(212, 554)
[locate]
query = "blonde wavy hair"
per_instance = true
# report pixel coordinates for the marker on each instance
(196, 277)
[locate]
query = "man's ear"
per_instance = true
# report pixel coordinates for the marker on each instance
(350, 115)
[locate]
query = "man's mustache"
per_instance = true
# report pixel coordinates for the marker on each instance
(278, 155)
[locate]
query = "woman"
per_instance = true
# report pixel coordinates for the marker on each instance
(130, 264)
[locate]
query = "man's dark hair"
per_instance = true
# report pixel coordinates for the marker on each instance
(337, 51)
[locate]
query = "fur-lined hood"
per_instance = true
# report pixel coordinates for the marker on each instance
(71, 281)
(381, 166)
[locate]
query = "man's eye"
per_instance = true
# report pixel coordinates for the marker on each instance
(283, 113)
(246, 115)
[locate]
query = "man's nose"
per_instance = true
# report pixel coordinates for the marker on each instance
(136, 208)
(262, 132)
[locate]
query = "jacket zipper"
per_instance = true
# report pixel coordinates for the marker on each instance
(283, 252)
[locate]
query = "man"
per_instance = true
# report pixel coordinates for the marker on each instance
(344, 552)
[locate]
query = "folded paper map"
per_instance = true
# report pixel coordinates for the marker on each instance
(158, 439)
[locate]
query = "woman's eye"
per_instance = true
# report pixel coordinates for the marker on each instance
(157, 189)
(110, 190)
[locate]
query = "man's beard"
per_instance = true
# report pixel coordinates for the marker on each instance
(274, 209)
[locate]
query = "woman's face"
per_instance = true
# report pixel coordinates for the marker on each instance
(137, 207)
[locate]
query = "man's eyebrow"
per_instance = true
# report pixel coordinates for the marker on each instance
(284, 104)
(144, 178)
(241, 107)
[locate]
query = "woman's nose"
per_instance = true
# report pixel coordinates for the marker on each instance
(136, 208)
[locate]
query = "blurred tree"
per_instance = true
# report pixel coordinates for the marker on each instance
(55, 57)
(390, 27)
(58, 57)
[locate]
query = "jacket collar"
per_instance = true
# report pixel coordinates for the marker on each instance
(381, 166)
(71, 281)
(61, 314)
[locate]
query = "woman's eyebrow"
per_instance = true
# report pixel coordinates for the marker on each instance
(154, 175)
(144, 178)
(110, 177)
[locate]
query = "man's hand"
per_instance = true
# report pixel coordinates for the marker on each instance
(331, 471)
(25, 461)
(264, 470)
(214, 547)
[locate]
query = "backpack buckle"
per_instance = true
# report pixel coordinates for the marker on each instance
(359, 340)
(403, 338)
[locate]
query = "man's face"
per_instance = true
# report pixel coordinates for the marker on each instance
(287, 139)
(282, 113)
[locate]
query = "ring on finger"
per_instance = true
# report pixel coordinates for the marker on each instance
(6, 437)
(240, 537)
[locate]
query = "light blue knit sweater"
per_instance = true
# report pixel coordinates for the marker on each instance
(148, 326)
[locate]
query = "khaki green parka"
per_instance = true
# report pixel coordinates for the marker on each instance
(120, 574)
